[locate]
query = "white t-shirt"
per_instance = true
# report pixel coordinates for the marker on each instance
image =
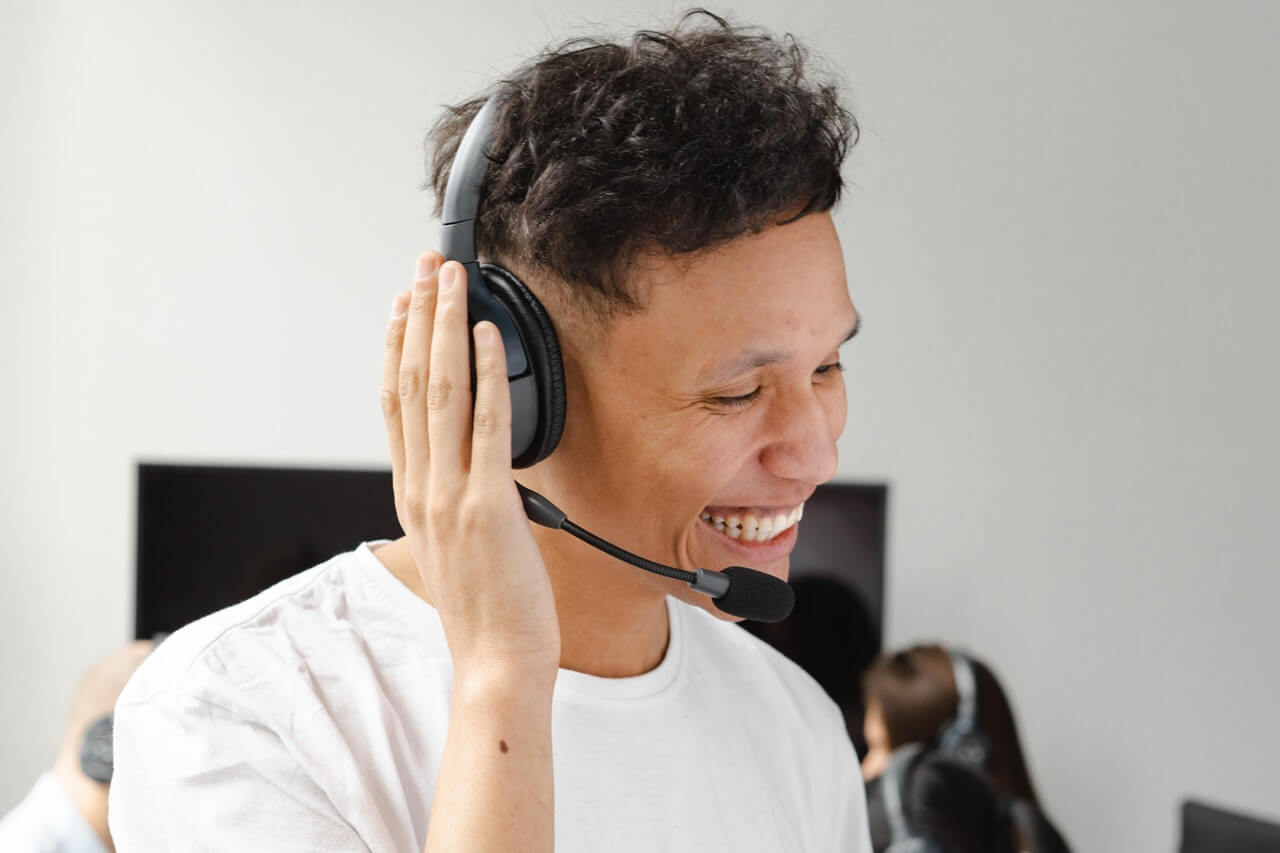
(313, 716)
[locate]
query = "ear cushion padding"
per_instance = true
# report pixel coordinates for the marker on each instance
(543, 349)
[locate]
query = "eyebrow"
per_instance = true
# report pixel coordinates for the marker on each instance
(753, 359)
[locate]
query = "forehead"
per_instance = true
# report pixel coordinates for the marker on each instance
(781, 290)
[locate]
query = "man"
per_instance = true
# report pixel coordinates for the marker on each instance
(667, 201)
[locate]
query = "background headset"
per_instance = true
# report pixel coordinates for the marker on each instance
(97, 753)
(961, 738)
(535, 369)
(893, 783)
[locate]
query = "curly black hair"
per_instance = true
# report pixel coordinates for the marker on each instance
(675, 142)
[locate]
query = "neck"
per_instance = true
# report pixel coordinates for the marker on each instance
(613, 618)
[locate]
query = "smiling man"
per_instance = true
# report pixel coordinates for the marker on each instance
(481, 684)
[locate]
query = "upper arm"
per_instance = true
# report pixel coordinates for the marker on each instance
(191, 775)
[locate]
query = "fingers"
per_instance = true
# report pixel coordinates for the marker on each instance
(448, 392)
(434, 436)
(491, 422)
(390, 396)
(411, 379)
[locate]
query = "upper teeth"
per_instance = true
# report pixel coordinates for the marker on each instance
(752, 528)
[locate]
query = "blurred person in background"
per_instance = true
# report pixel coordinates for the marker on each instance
(929, 802)
(66, 810)
(915, 697)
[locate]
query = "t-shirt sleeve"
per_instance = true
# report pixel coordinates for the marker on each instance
(190, 775)
(845, 821)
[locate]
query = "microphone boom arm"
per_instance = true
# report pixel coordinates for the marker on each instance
(755, 589)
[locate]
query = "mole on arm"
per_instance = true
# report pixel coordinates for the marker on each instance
(502, 745)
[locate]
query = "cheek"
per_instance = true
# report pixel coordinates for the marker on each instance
(837, 407)
(701, 467)
(702, 454)
(671, 471)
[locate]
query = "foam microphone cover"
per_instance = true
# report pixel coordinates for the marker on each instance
(756, 596)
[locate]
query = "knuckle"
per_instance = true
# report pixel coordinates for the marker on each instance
(471, 514)
(395, 334)
(487, 421)
(421, 301)
(440, 515)
(490, 367)
(439, 390)
(444, 310)
(415, 503)
(390, 399)
(409, 383)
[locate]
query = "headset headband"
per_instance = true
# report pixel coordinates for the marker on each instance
(458, 229)
(966, 691)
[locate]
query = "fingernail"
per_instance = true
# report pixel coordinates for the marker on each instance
(447, 274)
(427, 265)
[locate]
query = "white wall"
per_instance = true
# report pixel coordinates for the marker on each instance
(1057, 228)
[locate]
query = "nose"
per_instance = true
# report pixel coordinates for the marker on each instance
(804, 426)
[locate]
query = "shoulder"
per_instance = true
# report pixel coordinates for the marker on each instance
(297, 705)
(316, 620)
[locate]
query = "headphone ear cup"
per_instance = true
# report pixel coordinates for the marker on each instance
(96, 749)
(973, 751)
(971, 748)
(542, 347)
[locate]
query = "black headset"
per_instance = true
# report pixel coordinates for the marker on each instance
(961, 738)
(893, 784)
(535, 368)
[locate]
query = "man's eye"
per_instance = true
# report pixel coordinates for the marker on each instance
(737, 402)
(833, 367)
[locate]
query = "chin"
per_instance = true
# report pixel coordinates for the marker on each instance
(708, 604)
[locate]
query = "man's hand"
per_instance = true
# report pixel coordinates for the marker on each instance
(455, 494)
(458, 504)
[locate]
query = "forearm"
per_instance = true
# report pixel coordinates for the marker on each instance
(495, 790)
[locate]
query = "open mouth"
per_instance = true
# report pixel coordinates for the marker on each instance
(752, 526)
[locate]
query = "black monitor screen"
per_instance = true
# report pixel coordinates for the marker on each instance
(209, 537)
(837, 572)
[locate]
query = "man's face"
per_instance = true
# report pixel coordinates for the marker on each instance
(698, 427)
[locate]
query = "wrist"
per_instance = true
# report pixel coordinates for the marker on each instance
(505, 680)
